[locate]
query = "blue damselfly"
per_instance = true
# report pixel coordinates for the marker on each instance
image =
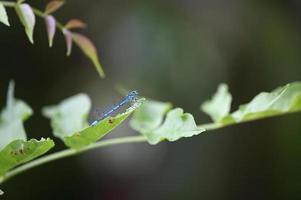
(132, 96)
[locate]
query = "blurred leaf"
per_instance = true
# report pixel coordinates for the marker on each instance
(27, 18)
(220, 104)
(12, 117)
(149, 116)
(75, 23)
(89, 49)
(290, 101)
(20, 151)
(1, 192)
(68, 38)
(149, 121)
(51, 28)
(69, 116)
(53, 6)
(3, 15)
(260, 106)
(93, 133)
(282, 100)
(176, 125)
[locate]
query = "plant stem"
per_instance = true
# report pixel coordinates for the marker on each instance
(210, 126)
(35, 10)
(8, 3)
(70, 152)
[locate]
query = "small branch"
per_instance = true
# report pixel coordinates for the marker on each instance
(211, 126)
(70, 152)
(36, 11)
(8, 3)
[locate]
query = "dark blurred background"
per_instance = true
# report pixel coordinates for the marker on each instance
(172, 50)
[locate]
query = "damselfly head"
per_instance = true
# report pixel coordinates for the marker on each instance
(133, 94)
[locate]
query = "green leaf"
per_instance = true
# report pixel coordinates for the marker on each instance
(290, 101)
(93, 133)
(149, 121)
(89, 50)
(149, 116)
(283, 100)
(3, 15)
(20, 151)
(1, 192)
(176, 125)
(27, 18)
(260, 106)
(220, 104)
(69, 116)
(12, 118)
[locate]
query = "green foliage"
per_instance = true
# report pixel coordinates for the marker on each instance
(150, 115)
(282, 100)
(219, 106)
(155, 120)
(148, 120)
(27, 18)
(69, 121)
(3, 15)
(94, 133)
(12, 118)
(69, 116)
(14, 149)
(20, 151)
(1, 192)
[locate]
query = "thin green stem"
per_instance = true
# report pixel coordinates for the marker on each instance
(210, 126)
(70, 152)
(8, 3)
(38, 12)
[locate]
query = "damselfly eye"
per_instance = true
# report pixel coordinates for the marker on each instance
(133, 93)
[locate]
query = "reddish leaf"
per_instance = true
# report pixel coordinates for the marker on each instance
(75, 23)
(53, 6)
(68, 37)
(89, 50)
(50, 27)
(27, 17)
